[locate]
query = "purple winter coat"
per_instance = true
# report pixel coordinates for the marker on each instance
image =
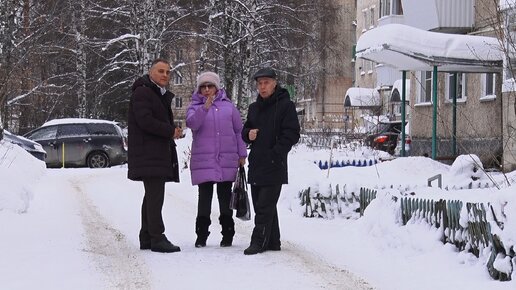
(217, 142)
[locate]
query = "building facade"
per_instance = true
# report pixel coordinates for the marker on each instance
(323, 109)
(477, 123)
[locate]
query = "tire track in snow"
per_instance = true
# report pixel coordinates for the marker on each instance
(116, 259)
(327, 276)
(334, 277)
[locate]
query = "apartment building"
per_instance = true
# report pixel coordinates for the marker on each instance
(472, 124)
(324, 107)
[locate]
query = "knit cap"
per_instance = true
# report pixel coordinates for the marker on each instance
(208, 77)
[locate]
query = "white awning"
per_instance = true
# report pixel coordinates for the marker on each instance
(407, 48)
(361, 97)
(396, 90)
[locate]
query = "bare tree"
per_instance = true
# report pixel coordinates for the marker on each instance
(243, 35)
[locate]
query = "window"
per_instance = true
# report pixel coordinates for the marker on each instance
(178, 78)
(369, 67)
(397, 8)
(425, 93)
(510, 71)
(390, 7)
(462, 86)
(364, 12)
(385, 8)
(102, 129)
(488, 84)
(44, 134)
(178, 102)
(456, 86)
(372, 18)
(72, 130)
(179, 55)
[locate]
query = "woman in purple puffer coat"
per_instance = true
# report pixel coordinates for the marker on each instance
(217, 152)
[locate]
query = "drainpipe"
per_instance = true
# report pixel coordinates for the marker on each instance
(434, 115)
(403, 98)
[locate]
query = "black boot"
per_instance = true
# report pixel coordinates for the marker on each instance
(163, 245)
(201, 229)
(258, 241)
(228, 230)
(145, 240)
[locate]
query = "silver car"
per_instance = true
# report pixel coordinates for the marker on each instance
(77, 142)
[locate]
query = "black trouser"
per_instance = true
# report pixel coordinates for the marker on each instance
(206, 196)
(152, 221)
(265, 200)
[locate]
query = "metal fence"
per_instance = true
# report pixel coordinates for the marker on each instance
(318, 205)
(342, 163)
(444, 214)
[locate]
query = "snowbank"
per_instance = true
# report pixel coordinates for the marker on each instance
(18, 169)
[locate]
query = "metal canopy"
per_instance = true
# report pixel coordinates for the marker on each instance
(362, 97)
(411, 49)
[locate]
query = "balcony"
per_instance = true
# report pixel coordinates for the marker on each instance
(390, 19)
(457, 16)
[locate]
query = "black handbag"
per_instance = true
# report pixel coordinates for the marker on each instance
(239, 196)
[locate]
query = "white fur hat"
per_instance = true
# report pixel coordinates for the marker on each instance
(208, 77)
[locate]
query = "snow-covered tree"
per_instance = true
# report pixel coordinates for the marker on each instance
(244, 35)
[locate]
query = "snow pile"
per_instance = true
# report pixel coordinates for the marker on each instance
(467, 172)
(18, 169)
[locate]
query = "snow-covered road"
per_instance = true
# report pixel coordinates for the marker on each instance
(90, 239)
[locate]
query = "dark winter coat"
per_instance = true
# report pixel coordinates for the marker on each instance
(151, 148)
(217, 143)
(278, 125)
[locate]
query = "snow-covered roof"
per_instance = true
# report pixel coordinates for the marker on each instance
(75, 121)
(396, 87)
(409, 48)
(361, 97)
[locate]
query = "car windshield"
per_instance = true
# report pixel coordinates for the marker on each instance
(389, 127)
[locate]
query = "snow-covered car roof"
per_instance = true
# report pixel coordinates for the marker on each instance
(76, 121)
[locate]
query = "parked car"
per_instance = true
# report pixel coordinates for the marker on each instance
(386, 137)
(81, 142)
(30, 146)
(408, 142)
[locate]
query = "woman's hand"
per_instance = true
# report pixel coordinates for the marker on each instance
(241, 161)
(209, 102)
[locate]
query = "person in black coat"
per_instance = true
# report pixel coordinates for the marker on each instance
(152, 156)
(271, 129)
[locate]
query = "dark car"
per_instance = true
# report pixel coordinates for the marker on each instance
(30, 146)
(81, 142)
(386, 137)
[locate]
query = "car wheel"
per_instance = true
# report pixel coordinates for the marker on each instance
(97, 160)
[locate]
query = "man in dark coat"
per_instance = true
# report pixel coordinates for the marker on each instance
(152, 156)
(271, 128)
